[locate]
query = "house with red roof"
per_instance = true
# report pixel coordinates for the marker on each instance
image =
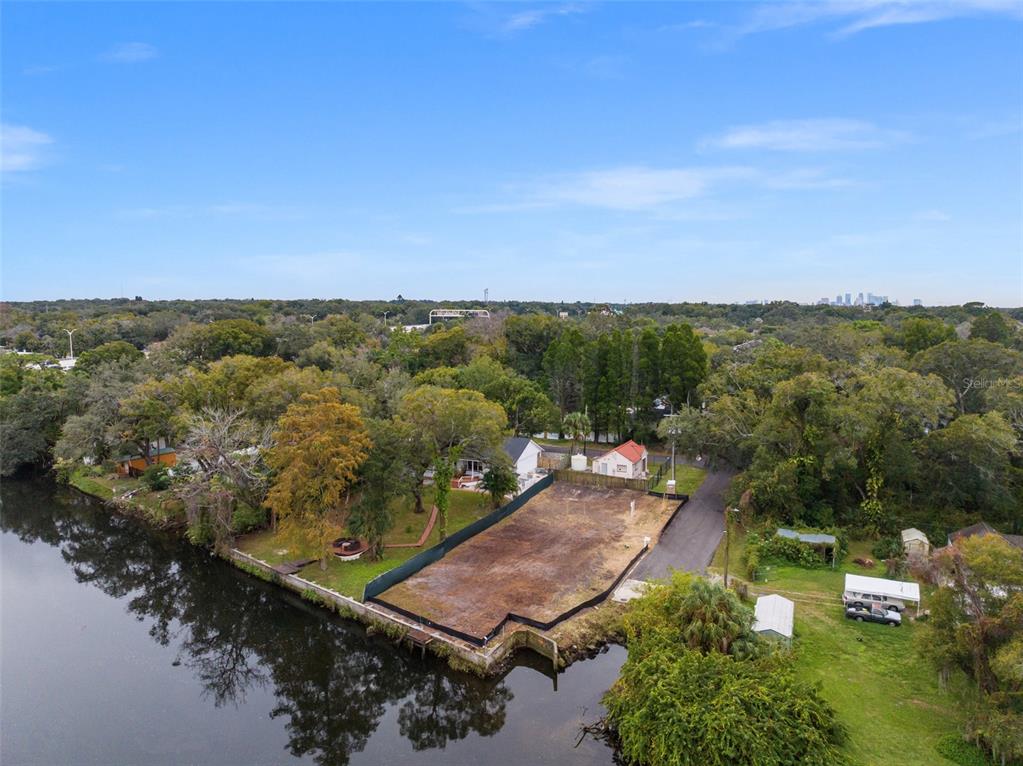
(626, 461)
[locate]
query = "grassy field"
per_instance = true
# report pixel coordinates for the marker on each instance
(349, 577)
(884, 692)
(688, 479)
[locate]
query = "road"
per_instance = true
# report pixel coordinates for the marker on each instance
(693, 536)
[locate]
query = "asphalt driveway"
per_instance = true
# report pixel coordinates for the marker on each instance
(693, 536)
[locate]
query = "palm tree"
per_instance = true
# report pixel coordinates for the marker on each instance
(715, 620)
(578, 425)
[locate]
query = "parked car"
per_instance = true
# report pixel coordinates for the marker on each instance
(867, 600)
(874, 614)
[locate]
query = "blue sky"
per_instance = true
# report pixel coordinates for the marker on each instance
(619, 152)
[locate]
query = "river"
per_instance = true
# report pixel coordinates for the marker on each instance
(121, 645)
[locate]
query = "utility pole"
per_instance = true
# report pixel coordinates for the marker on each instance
(486, 295)
(310, 317)
(728, 539)
(70, 342)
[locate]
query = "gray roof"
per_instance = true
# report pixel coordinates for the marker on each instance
(514, 446)
(806, 537)
(774, 613)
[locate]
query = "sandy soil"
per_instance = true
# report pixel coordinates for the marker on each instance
(564, 546)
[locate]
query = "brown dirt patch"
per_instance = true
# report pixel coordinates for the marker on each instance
(563, 547)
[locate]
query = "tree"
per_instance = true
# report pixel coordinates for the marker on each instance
(698, 687)
(499, 480)
(115, 351)
(226, 337)
(445, 347)
(993, 327)
(147, 415)
(227, 449)
(802, 462)
(29, 424)
(563, 366)
(919, 333)
(685, 431)
(91, 432)
(683, 363)
(577, 425)
(390, 472)
(319, 444)
(967, 465)
(451, 423)
(649, 366)
(967, 367)
(975, 625)
(528, 338)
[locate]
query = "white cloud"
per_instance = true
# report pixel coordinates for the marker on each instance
(854, 16)
(130, 53)
(222, 209)
(523, 20)
(21, 148)
(934, 216)
(655, 190)
(815, 135)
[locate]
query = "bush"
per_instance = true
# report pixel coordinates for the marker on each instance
(156, 477)
(246, 518)
(678, 706)
(887, 548)
(956, 749)
(775, 548)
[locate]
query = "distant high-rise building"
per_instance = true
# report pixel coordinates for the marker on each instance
(838, 299)
(859, 299)
(917, 302)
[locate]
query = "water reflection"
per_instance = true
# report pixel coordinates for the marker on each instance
(332, 683)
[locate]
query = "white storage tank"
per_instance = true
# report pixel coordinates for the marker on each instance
(579, 462)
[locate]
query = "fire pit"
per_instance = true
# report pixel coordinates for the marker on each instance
(348, 548)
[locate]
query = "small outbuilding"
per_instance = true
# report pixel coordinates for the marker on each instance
(819, 540)
(773, 616)
(136, 465)
(915, 542)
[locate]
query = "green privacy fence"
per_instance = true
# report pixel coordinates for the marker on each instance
(392, 577)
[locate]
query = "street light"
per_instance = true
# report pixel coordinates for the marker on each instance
(70, 342)
(728, 540)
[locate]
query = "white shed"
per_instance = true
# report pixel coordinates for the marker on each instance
(773, 617)
(915, 542)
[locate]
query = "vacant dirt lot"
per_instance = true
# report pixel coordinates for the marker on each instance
(564, 546)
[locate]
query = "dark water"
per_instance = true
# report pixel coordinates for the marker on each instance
(123, 646)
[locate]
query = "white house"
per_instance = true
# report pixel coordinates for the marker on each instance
(626, 461)
(773, 617)
(525, 459)
(525, 455)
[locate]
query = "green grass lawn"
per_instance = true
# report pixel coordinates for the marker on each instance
(349, 577)
(884, 692)
(688, 479)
